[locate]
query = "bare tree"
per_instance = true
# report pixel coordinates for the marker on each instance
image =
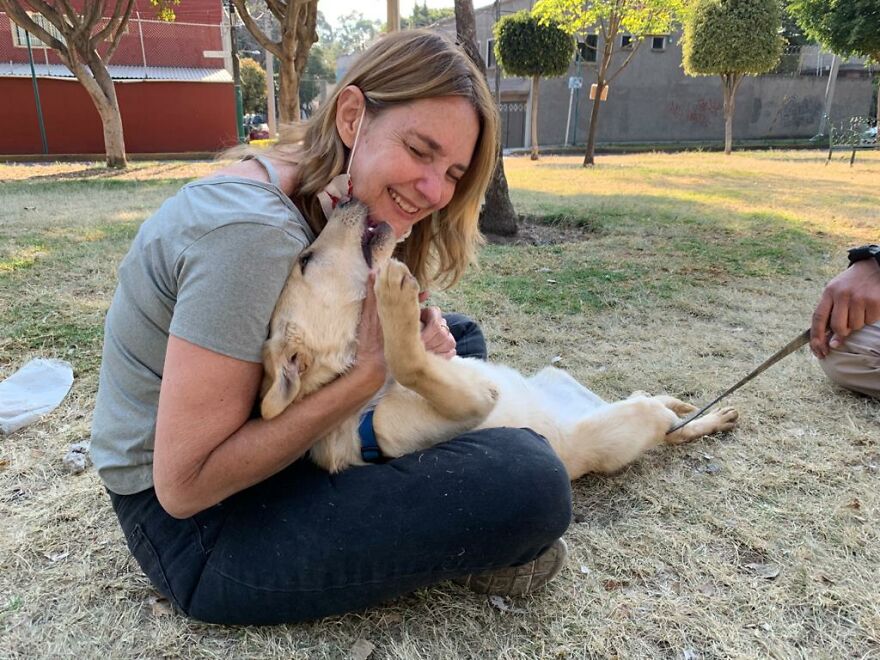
(498, 215)
(76, 38)
(298, 21)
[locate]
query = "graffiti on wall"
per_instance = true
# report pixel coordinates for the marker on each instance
(698, 113)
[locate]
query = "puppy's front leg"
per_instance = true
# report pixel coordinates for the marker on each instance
(452, 387)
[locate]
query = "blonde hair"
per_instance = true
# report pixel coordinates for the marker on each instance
(399, 68)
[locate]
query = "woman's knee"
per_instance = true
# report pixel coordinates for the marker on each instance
(526, 478)
(469, 339)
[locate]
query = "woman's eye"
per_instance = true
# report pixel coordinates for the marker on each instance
(416, 152)
(304, 261)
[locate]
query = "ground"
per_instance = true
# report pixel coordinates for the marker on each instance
(678, 273)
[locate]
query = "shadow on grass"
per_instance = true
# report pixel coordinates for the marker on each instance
(649, 249)
(103, 173)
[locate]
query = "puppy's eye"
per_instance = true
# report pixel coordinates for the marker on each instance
(304, 261)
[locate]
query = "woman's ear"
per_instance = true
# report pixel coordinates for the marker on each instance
(349, 113)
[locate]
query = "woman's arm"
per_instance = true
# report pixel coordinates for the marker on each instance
(206, 446)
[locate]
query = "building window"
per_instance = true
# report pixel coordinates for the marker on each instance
(658, 43)
(490, 53)
(587, 49)
(626, 42)
(19, 38)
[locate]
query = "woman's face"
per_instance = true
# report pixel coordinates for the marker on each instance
(409, 158)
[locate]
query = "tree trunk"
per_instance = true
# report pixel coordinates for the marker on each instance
(589, 158)
(535, 80)
(288, 106)
(608, 49)
(498, 215)
(730, 83)
(877, 116)
(99, 85)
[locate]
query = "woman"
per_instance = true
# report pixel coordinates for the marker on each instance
(221, 510)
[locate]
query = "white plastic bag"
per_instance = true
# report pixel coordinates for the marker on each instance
(32, 391)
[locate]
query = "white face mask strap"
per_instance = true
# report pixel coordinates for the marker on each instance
(357, 134)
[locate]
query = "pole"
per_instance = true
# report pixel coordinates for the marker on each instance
(143, 50)
(270, 79)
(27, 38)
(497, 68)
(393, 15)
(568, 120)
(829, 94)
(270, 93)
(236, 75)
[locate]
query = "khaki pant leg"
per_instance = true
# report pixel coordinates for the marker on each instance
(856, 364)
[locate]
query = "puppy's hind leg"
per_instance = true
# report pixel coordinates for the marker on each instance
(614, 436)
(719, 420)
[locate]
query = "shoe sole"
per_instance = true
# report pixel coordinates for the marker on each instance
(520, 580)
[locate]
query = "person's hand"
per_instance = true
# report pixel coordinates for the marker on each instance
(370, 357)
(435, 332)
(849, 302)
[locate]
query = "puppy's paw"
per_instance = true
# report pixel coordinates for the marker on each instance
(677, 406)
(724, 419)
(397, 298)
(397, 289)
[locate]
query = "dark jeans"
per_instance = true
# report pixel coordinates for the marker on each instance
(305, 544)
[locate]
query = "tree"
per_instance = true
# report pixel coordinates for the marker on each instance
(298, 21)
(253, 85)
(355, 32)
(422, 16)
(84, 40)
(317, 70)
(732, 38)
(497, 215)
(845, 28)
(611, 20)
(526, 46)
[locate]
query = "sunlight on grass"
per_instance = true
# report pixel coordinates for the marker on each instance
(24, 258)
(792, 186)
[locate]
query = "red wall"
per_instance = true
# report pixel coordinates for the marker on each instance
(158, 117)
(180, 43)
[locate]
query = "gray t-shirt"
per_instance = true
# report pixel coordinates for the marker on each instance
(207, 267)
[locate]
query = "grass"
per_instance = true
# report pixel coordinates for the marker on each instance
(681, 273)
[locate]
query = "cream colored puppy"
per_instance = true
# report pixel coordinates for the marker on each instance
(313, 339)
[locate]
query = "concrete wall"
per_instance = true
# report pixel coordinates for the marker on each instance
(653, 100)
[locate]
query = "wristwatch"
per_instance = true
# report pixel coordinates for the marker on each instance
(864, 252)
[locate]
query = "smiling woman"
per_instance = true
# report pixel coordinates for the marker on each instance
(220, 508)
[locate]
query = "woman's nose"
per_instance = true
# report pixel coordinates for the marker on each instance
(430, 186)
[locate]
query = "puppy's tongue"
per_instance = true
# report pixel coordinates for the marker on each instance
(367, 239)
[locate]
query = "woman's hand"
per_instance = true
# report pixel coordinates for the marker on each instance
(435, 332)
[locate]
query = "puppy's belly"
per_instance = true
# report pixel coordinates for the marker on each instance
(550, 402)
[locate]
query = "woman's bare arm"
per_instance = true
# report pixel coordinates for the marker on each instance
(206, 446)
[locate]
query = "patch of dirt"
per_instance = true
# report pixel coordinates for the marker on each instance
(533, 231)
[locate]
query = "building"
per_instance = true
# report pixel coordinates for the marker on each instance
(654, 101)
(172, 80)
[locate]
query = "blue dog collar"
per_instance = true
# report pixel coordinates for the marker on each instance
(370, 451)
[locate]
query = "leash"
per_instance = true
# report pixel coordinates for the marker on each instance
(786, 350)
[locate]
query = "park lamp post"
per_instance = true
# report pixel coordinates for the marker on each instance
(236, 75)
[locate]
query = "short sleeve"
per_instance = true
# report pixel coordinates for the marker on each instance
(228, 282)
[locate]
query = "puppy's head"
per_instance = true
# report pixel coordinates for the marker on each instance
(313, 333)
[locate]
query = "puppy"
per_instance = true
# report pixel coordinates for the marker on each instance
(313, 339)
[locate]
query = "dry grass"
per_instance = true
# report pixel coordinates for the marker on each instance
(763, 542)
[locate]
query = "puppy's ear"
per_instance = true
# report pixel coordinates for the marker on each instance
(284, 361)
